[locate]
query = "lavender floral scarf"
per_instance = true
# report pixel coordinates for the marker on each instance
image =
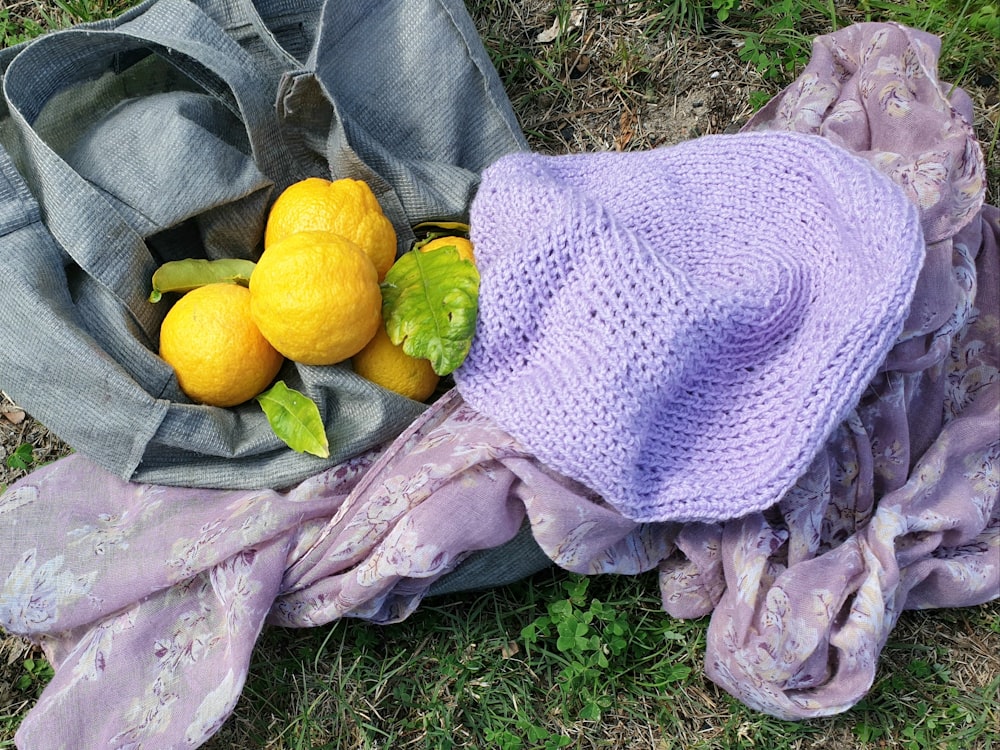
(148, 599)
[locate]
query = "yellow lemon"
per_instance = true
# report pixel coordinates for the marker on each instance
(461, 244)
(386, 364)
(217, 352)
(345, 207)
(315, 297)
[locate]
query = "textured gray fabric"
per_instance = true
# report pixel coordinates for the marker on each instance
(166, 133)
(497, 566)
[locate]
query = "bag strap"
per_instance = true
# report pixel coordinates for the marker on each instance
(182, 34)
(257, 24)
(17, 208)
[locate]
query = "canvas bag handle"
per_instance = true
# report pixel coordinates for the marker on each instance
(144, 430)
(75, 210)
(389, 119)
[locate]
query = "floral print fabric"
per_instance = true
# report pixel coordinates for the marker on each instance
(900, 510)
(148, 599)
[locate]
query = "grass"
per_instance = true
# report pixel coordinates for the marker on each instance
(557, 660)
(563, 661)
(22, 20)
(644, 51)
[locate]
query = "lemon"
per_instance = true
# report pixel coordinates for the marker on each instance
(217, 352)
(346, 207)
(386, 364)
(315, 296)
(463, 245)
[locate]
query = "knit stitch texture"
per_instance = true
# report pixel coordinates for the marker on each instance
(681, 329)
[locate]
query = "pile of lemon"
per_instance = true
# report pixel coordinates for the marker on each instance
(313, 297)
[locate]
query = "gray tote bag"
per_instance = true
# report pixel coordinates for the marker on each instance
(166, 133)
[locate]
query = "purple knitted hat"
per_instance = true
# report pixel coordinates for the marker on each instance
(681, 329)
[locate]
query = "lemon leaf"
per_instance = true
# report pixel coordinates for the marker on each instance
(295, 419)
(450, 226)
(191, 273)
(429, 305)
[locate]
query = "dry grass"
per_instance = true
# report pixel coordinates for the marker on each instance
(609, 83)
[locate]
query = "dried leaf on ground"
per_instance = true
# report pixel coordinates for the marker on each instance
(560, 26)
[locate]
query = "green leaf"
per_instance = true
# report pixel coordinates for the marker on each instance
(590, 712)
(22, 457)
(677, 673)
(295, 419)
(429, 305)
(184, 275)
